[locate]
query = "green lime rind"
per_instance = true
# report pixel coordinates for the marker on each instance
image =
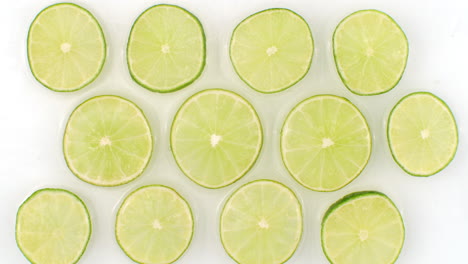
(282, 149)
(349, 198)
(187, 83)
(128, 180)
(300, 213)
(149, 186)
(390, 142)
(288, 86)
(102, 36)
(336, 62)
(254, 161)
(53, 190)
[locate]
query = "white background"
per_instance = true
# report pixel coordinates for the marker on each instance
(32, 118)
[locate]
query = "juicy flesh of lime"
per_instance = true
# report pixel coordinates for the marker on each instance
(107, 141)
(166, 48)
(261, 223)
(422, 134)
(370, 51)
(325, 143)
(216, 137)
(272, 50)
(154, 225)
(364, 230)
(53, 227)
(66, 47)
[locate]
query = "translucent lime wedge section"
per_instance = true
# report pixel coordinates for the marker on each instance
(53, 226)
(66, 47)
(325, 142)
(261, 223)
(216, 137)
(154, 225)
(364, 228)
(107, 141)
(272, 50)
(166, 48)
(370, 52)
(422, 134)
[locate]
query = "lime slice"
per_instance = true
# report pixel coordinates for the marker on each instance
(53, 226)
(154, 225)
(364, 228)
(272, 49)
(166, 49)
(370, 52)
(66, 47)
(107, 141)
(422, 134)
(325, 142)
(216, 137)
(261, 223)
